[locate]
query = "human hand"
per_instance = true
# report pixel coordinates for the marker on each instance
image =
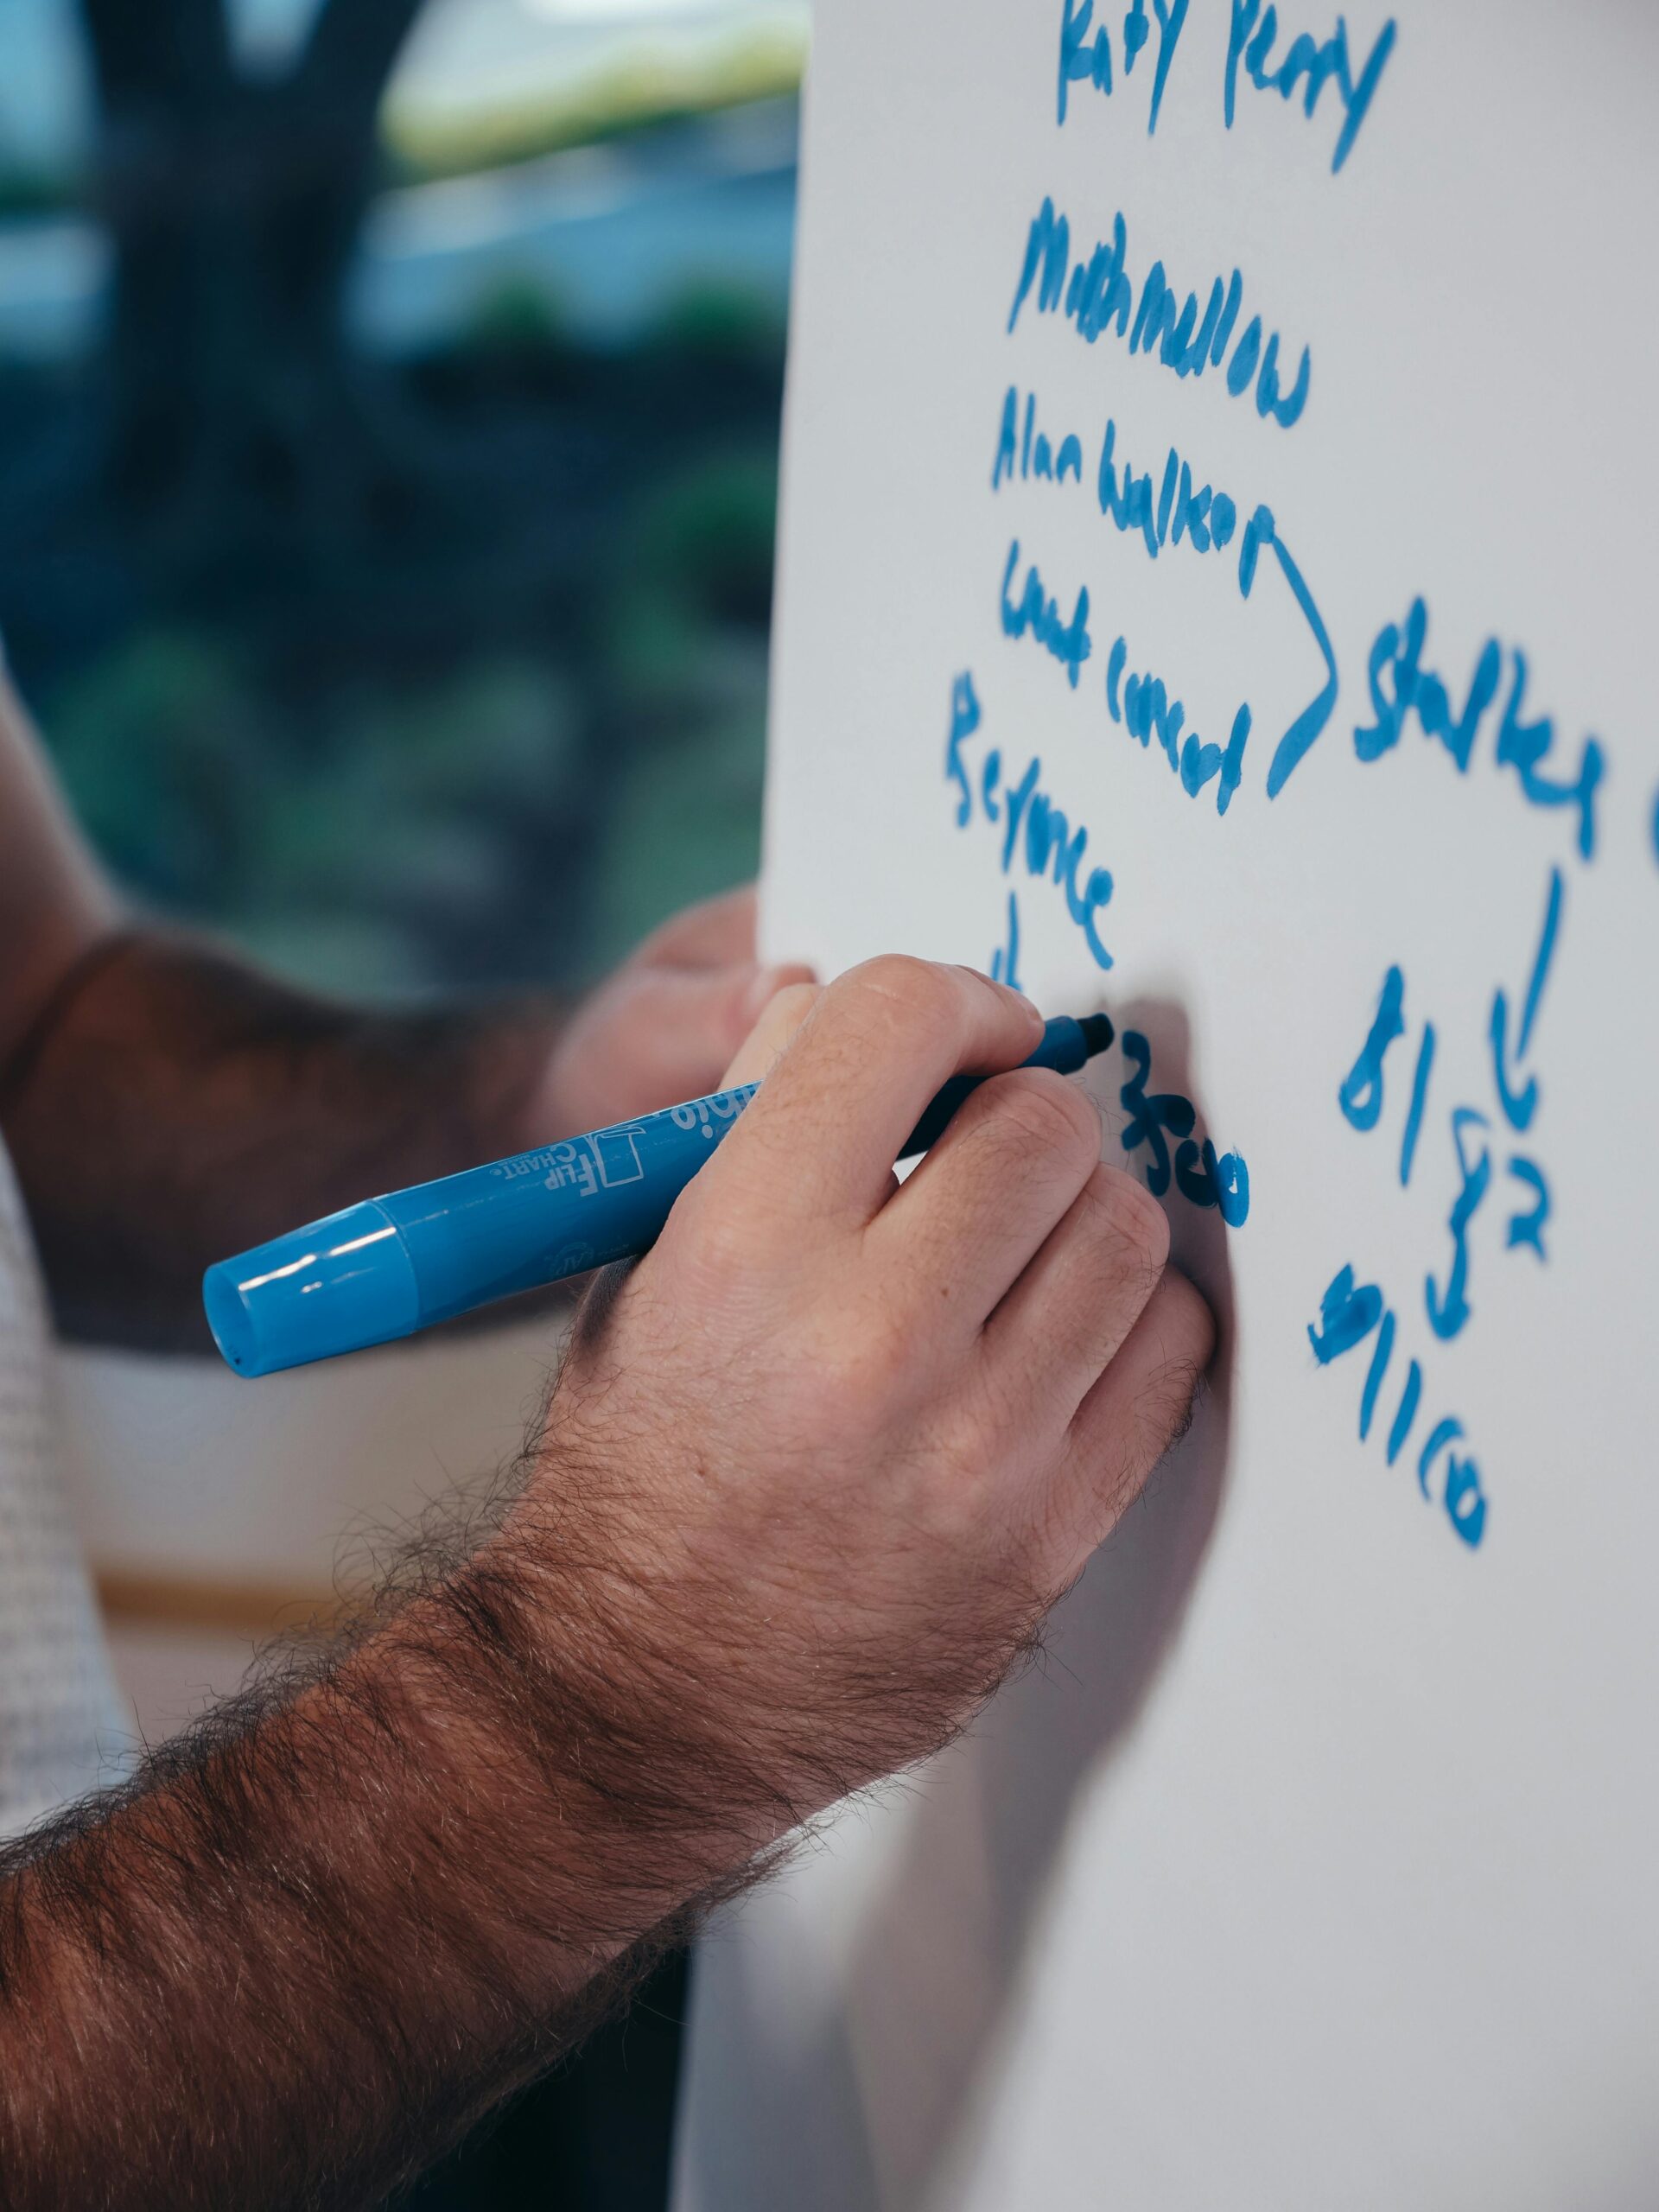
(814, 1470)
(662, 1028)
(817, 1465)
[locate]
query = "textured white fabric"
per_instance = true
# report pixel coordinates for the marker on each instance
(60, 1723)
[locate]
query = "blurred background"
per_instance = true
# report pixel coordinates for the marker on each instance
(388, 410)
(388, 431)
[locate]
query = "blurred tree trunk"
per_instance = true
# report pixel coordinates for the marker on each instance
(234, 202)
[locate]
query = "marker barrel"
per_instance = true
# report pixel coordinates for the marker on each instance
(393, 1265)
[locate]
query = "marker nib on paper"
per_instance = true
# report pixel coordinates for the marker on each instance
(1068, 1043)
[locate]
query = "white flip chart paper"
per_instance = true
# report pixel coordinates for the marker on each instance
(1217, 584)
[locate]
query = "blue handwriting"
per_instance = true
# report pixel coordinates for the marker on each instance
(1146, 710)
(1027, 455)
(1348, 1314)
(1306, 727)
(1249, 40)
(1397, 655)
(1207, 520)
(1005, 961)
(1032, 824)
(1069, 642)
(1517, 1092)
(1098, 294)
(1089, 61)
(1201, 517)
(1201, 1176)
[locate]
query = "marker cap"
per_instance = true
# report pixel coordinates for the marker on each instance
(335, 1285)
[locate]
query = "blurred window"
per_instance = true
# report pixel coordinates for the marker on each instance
(389, 406)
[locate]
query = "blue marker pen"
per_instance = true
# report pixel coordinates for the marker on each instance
(393, 1265)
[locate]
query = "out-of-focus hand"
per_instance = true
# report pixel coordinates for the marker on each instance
(663, 1026)
(819, 1463)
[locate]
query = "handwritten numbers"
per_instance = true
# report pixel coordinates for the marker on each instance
(1349, 1312)
(1202, 1176)
(1448, 1309)
(1525, 1228)
(1361, 1095)
(1520, 1100)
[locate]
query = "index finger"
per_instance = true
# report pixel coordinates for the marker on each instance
(716, 933)
(821, 1138)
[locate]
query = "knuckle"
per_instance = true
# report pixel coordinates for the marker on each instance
(1130, 1224)
(899, 976)
(1035, 1108)
(897, 989)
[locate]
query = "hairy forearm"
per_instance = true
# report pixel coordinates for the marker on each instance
(323, 1934)
(794, 1514)
(174, 1106)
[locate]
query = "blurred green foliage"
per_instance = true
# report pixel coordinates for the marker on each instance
(500, 811)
